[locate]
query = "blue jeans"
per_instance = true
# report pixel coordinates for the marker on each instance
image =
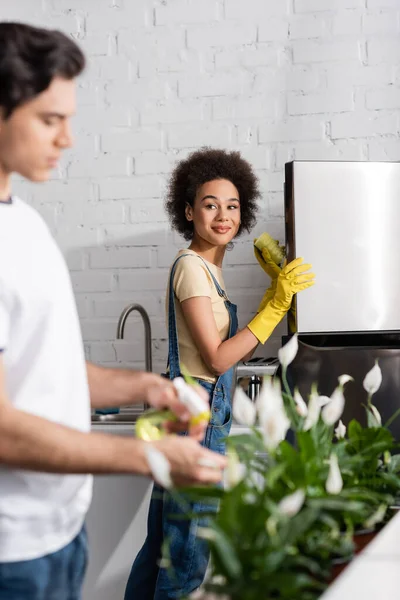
(189, 554)
(57, 576)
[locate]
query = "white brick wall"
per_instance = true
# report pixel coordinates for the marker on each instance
(276, 79)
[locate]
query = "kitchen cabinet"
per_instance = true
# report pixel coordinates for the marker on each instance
(116, 524)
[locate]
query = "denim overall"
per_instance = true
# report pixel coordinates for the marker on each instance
(189, 554)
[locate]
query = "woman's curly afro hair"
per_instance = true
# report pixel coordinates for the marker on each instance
(206, 165)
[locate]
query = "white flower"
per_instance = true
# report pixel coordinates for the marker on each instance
(376, 416)
(244, 410)
(314, 409)
(159, 466)
(324, 400)
(288, 352)
(290, 505)
(235, 470)
(334, 409)
(340, 430)
(373, 380)
(334, 483)
(343, 379)
(274, 421)
(301, 406)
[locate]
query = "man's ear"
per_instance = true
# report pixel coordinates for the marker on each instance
(189, 212)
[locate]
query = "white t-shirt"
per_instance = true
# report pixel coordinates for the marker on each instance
(45, 372)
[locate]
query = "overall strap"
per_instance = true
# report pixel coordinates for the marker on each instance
(173, 346)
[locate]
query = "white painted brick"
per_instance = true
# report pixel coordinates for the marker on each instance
(88, 94)
(159, 87)
(137, 14)
(257, 55)
(308, 26)
(377, 23)
(145, 186)
(385, 150)
(382, 3)
(276, 206)
(150, 39)
(75, 260)
(383, 50)
(99, 213)
(167, 254)
(260, 157)
(149, 211)
(97, 44)
(300, 78)
(302, 129)
(175, 60)
(132, 234)
(330, 101)
(342, 75)
(106, 164)
(241, 254)
(101, 352)
(223, 34)
(99, 330)
(229, 84)
(89, 281)
(186, 11)
(76, 236)
(98, 119)
(112, 67)
(64, 191)
(238, 108)
(362, 125)
(119, 258)
(328, 150)
(173, 111)
(316, 51)
(126, 141)
(152, 161)
(244, 277)
(108, 305)
(385, 98)
(217, 135)
(143, 279)
(256, 8)
(321, 5)
(347, 23)
(273, 29)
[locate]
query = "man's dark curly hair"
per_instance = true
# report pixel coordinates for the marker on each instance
(30, 57)
(206, 165)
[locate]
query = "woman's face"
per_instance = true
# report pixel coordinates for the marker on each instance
(216, 212)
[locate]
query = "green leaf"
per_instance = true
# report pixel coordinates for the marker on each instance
(225, 553)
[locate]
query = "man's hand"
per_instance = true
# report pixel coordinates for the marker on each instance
(161, 393)
(191, 463)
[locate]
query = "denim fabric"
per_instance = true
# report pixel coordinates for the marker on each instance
(189, 554)
(57, 576)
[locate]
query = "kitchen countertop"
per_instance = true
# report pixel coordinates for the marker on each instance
(375, 573)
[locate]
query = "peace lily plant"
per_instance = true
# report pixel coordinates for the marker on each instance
(287, 510)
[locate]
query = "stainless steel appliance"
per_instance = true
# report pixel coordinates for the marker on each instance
(344, 218)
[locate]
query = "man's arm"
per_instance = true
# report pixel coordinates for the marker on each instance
(119, 387)
(34, 443)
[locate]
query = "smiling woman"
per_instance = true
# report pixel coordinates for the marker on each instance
(211, 201)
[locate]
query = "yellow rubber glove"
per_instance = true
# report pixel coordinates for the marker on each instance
(292, 279)
(270, 255)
